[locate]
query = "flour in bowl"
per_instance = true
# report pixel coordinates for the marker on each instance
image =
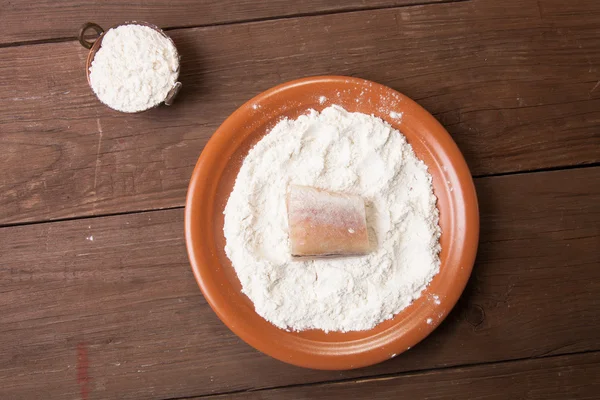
(345, 152)
(134, 69)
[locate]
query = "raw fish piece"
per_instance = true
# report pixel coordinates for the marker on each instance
(323, 223)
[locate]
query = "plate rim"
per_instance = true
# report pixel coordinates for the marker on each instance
(327, 361)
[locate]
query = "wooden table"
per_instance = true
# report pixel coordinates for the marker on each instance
(97, 300)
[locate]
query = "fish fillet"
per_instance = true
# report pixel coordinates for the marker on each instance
(323, 223)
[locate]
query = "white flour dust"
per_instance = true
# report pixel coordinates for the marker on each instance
(344, 152)
(134, 69)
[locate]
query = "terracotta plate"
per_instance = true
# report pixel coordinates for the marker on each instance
(212, 182)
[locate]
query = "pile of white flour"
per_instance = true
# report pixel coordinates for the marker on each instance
(344, 152)
(134, 68)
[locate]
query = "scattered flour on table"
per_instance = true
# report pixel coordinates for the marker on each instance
(134, 69)
(346, 152)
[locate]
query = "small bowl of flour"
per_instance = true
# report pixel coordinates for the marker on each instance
(132, 67)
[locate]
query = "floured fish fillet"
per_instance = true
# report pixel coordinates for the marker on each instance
(323, 223)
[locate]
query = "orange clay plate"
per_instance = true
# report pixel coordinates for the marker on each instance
(212, 182)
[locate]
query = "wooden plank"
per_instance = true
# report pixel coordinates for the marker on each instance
(511, 104)
(109, 305)
(557, 9)
(566, 377)
(47, 19)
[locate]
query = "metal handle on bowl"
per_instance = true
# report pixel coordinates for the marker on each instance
(84, 28)
(172, 93)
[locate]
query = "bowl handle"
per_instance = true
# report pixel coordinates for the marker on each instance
(84, 28)
(172, 93)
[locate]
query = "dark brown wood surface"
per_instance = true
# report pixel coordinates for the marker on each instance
(51, 20)
(102, 304)
(517, 93)
(558, 378)
(120, 289)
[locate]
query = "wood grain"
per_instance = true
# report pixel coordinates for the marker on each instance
(109, 304)
(511, 104)
(567, 377)
(47, 19)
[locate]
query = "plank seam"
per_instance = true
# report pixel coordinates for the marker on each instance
(537, 170)
(245, 21)
(387, 376)
(67, 219)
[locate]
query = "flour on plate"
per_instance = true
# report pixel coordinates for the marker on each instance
(345, 152)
